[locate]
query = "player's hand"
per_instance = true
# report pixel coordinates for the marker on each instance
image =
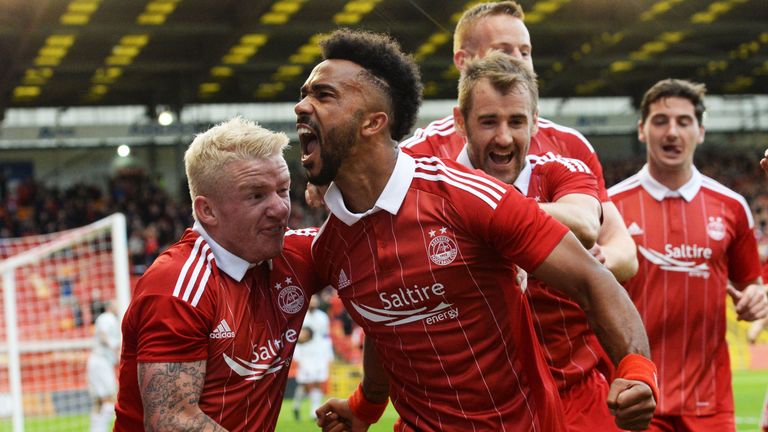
(336, 416)
(754, 330)
(597, 252)
(751, 303)
(314, 195)
(632, 403)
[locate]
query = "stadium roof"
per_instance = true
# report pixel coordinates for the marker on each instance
(179, 52)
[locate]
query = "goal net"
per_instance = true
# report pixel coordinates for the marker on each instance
(53, 287)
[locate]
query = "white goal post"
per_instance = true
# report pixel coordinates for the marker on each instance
(53, 286)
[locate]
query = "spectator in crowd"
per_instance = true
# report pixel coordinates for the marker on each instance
(102, 382)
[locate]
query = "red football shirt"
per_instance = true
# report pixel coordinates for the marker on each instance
(429, 274)
(441, 139)
(690, 243)
(199, 302)
(570, 346)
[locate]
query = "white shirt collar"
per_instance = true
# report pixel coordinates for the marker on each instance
(228, 262)
(658, 191)
(521, 182)
(391, 197)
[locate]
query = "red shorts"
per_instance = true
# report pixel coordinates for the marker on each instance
(585, 405)
(721, 422)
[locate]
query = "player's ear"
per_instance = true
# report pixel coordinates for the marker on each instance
(374, 123)
(459, 121)
(205, 210)
(640, 131)
(535, 120)
(459, 58)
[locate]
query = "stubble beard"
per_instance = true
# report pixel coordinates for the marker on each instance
(343, 139)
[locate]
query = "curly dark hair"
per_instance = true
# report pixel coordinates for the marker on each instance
(381, 56)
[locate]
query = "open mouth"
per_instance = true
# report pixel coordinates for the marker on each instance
(501, 158)
(308, 140)
(671, 148)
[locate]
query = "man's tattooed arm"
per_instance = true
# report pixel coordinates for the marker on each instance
(170, 393)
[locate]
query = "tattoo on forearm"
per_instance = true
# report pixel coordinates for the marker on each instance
(170, 393)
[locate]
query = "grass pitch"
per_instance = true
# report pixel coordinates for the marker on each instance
(748, 391)
(749, 388)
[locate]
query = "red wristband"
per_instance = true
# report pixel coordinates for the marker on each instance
(638, 368)
(363, 409)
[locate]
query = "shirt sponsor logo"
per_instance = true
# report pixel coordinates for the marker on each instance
(402, 307)
(222, 331)
(266, 358)
(634, 229)
(675, 256)
(442, 249)
(291, 297)
(716, 228)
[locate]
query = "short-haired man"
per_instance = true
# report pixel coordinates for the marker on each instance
(209, 334)
(497, 112)
(424, 254)
(693, 235)
(499, 26)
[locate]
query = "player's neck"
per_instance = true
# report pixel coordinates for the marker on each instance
(672, 178)
(363, 176)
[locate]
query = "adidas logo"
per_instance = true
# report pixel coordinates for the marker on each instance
(222, 331)
(343, 281)
(634, 229)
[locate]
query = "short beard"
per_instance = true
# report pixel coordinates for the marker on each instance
(342, 139)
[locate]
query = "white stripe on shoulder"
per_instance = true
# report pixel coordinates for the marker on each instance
(718, 187)
(193, 279)
(441, 177)
(440, 123)
(433, 162)
(572, 164)
(203, 280)
(624, 185)
(442, 127)
(548, 124)
(192, 258)
(480, 187)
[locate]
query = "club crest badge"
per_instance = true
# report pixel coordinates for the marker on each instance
(442, 249)
(290, 298)
(716, 228)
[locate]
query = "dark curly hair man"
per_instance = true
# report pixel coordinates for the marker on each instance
(391, 70)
